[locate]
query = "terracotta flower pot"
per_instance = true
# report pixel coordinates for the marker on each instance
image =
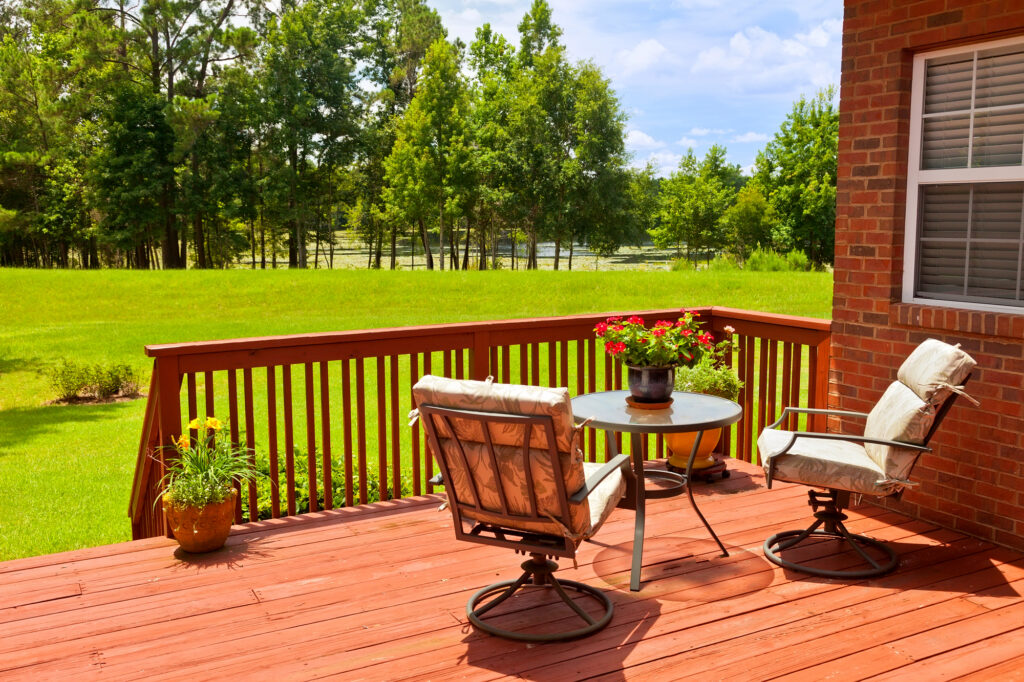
(201, 529)
(682, 443)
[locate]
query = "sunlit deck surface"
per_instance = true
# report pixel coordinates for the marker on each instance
(379, 593)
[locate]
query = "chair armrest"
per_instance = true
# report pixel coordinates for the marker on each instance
(842, 436)
(437, 479)
(617, 462)
(810, 410)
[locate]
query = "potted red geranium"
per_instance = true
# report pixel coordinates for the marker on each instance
(651, 354)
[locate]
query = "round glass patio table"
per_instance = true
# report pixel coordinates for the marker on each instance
(689, 412)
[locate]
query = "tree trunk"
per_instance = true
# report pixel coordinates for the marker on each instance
(440, 232)
(426, 245)
(558, 251)
(394, 247)
(465, 252)
(293, 224)
(571, 243)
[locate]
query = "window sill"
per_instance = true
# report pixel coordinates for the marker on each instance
(981, 322)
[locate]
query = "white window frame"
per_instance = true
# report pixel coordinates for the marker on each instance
(916, 176)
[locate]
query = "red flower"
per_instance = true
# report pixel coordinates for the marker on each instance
(635, 319)
(618, 328)
(663, 323)
(658, 331)
(614, 348)
(601, 328)
(687, 332)
(642, 339)
(614, 319)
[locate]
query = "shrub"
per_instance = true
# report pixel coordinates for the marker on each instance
(723, 263)
(108, 381)
(72, 380)
(766, 261)
(797, 260)
(69, 379)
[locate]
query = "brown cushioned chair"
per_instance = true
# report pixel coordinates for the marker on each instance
(515, 478)
(896, 432)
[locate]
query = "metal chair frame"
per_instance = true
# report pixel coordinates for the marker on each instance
(833, 502)
(538, 570)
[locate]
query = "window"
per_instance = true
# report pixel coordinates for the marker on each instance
(965, 181)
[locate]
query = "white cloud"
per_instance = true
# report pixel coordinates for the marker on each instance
(756, 60)
(701, 132)
(664, 163)
(688, 142)
(637, 139)
(642, 56)
(751, 137)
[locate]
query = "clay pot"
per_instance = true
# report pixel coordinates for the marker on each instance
(201, 529)
(682, 443)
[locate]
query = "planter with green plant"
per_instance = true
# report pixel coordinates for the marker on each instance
(198, 490)
(713, 376)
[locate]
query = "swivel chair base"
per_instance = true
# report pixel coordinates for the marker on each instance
(879, 557)
(537, 573)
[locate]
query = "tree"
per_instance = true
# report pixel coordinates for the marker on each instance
(693, 200)
(748, 223)
(430, 163)
(796, 171)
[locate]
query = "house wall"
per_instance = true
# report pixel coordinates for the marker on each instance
(974, 479)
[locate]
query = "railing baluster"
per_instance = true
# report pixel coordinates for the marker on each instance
(773, 379)
(208, 391)
(396, 446)
(311, 438)
(193, 411)
(346, 420)
(460, 364)
(250, 439)
(506, 364)
(448, 364)
(762, 386)
(325, 435)
(361, 426)
(590, 346)
(233, 428)
(535, 363)
(798, 351)
(492, 363)
(289, 438)
(563, 364)
(382, 442)
(787, 380)
(428, 455)
(524, 363)
(275, 482)
(417, 488)
(747, 367)
(552, 364)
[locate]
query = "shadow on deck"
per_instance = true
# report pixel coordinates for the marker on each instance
(379, 592)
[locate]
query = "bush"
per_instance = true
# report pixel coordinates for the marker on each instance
(72, 380)
(723, 263)
(108, 381)
(797, 260)
(766, 261)
(69, 379)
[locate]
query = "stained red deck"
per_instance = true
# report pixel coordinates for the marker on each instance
(379, 593)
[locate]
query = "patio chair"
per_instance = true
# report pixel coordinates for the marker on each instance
(896, 432)
(515, 478)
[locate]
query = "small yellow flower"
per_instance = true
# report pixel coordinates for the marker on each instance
(182, 442)
(194, 424)
(213, 423)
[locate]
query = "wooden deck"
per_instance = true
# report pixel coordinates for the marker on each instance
(379, 593)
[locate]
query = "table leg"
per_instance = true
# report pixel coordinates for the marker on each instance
(689, 492)
(636, 456)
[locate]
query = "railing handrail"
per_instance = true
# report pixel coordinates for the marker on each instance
(455, 328)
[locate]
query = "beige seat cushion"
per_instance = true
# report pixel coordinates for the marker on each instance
(899, 415)
(821, 462)
(603, 498)
(932, 367)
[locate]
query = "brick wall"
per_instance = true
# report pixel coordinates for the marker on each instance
(974, 479)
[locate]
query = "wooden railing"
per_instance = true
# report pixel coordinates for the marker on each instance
(348, 406)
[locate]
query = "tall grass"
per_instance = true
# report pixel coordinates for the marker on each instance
(65, 471)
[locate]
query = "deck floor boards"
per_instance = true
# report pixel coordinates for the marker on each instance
(379, 593)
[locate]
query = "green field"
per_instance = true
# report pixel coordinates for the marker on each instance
(65, 471)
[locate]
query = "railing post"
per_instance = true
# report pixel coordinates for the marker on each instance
(480, 355)
(819, 382)
(169, 416)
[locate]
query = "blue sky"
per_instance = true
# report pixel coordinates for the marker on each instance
(689, 73)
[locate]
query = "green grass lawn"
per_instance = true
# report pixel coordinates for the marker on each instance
(65, 471)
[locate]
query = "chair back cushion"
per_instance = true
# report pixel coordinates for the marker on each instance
(508, 441)
(907, 409)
